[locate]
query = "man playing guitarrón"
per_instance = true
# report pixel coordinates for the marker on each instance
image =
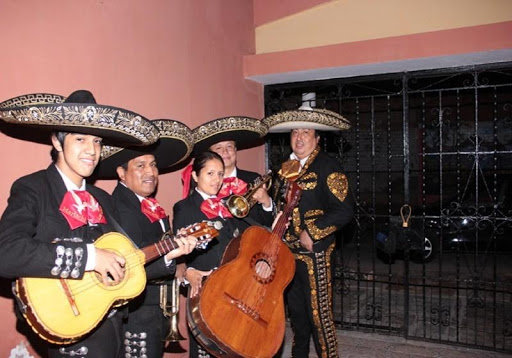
(324, 208)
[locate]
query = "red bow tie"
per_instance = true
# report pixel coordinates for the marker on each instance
(232, 186)
(152, 209)
(213, 208)
(79, 208)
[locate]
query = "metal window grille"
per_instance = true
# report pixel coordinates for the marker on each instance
(441, 142)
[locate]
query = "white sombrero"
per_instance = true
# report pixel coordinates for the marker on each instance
(306, 117)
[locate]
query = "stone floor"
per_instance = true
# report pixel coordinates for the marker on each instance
(369, 345)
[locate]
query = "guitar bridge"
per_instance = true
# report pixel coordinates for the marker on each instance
(249, 311)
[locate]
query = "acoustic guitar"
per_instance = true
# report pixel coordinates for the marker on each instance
(239, 311)
(62, 311)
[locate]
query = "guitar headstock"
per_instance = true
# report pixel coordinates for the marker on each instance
(204, 231)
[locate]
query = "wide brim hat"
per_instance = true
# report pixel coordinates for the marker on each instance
(246, 132)
(78, 113)
(174, 146)
(312, 118)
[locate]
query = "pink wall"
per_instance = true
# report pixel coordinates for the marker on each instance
(162, 59)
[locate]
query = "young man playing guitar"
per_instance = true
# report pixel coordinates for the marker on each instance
(53, 216)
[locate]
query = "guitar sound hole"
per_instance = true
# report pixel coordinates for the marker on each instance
(110, 279)
(263, 268)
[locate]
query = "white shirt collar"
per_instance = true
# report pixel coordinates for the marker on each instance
(204, 195)
(68, 183)
(232, 175)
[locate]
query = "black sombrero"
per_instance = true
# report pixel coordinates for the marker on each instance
(175, 145)
(244, 131)
(79, 113)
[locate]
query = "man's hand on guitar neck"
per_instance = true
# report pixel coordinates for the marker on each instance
(185, 246)
(110, 266)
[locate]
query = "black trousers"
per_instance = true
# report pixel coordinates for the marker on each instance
(105, 342)
(144, 332)
(309, 300)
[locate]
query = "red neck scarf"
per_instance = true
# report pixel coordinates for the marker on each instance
(152, 209)
(232, 186)
(79, 208)
(214, 207)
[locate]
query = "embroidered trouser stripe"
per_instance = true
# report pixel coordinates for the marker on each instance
(310, 305)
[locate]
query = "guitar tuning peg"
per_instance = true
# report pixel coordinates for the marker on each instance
(202, 245)
(217, 225)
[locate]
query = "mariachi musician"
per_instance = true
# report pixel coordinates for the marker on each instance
(225, 136)
(53, 216)
(324, 208)
(145, 222)
(202, 185)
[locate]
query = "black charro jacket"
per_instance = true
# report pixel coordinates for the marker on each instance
(143, 233)
(34, 234)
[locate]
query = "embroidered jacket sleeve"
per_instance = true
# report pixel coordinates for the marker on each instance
(326, 205)
(35, 239)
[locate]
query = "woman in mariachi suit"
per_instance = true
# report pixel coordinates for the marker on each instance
(201, 205)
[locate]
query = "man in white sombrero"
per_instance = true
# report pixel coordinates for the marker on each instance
(225, 136)
(145, 222)
(53, 216)
(324, 208)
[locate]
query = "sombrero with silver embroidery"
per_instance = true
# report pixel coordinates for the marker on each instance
(244, 131)
(175, 145)
(306, 117)
(79, 113)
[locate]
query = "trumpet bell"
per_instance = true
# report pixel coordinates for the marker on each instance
(238, 206)
(170, 305)
(174, 334)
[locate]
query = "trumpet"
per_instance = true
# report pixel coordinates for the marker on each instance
(239, 205)
(170, 309)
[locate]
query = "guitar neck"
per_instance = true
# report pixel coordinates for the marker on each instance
(159, 248)
(280, 227)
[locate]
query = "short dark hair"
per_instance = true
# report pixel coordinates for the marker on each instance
(318, 133)
(60, 137)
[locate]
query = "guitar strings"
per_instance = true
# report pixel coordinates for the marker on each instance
(93, 278)
(89, 281)
(271, 251)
